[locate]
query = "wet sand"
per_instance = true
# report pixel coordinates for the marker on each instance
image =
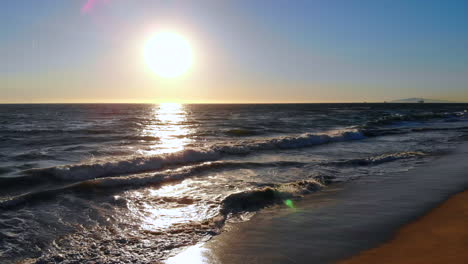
(441, 236)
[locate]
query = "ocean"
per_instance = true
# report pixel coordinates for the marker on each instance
(134, 183)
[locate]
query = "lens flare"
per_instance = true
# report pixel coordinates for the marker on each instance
(90, 4)
(289, 203)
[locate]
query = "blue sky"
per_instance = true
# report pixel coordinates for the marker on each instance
(246, 51)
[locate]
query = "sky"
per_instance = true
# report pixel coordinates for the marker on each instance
(245, 51)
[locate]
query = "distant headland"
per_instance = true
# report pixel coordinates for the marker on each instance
(420, 100)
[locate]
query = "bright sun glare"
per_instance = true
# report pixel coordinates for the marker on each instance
(168, 54)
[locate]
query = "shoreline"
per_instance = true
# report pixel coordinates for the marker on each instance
(338, 222)
(440, 236)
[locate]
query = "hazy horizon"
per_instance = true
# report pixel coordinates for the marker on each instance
(235, 102)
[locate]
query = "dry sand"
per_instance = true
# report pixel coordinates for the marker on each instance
(441, 236)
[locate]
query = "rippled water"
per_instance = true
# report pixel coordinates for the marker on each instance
(132, 183)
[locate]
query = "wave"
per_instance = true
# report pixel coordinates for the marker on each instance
(87, 134)
(376, 160)
(105, 185)
(34, 155)
(245, 201)
(85, 131)
(254, 200)
(140, 164)
(425, 129)
(79, 172)
(241, 132)
(32, 197)
(394, 118)
(290, 142)
(118, 182)
(257, 199)
(375, 132)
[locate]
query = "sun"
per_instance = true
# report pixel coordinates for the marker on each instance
(168, 54)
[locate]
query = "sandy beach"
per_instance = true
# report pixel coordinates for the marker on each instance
(441, 236)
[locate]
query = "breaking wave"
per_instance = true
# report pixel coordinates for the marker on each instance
(109, 184)
(140, 164)
(289, 142)
(257, 199)
(237, 202)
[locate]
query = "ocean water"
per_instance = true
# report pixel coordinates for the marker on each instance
(134, 183)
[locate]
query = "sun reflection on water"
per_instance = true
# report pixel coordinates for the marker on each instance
(196, 255)
(169, 124)
(169, 205)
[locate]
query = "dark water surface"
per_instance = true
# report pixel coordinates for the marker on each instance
(132, 183)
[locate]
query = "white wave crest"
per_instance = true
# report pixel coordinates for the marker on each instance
(79, 172)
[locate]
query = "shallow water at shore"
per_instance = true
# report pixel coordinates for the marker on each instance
(341, 221)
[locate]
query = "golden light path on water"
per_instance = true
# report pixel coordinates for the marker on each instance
(161, 207)
(169, 125)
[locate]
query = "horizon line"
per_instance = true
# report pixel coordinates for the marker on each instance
(204, 103)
